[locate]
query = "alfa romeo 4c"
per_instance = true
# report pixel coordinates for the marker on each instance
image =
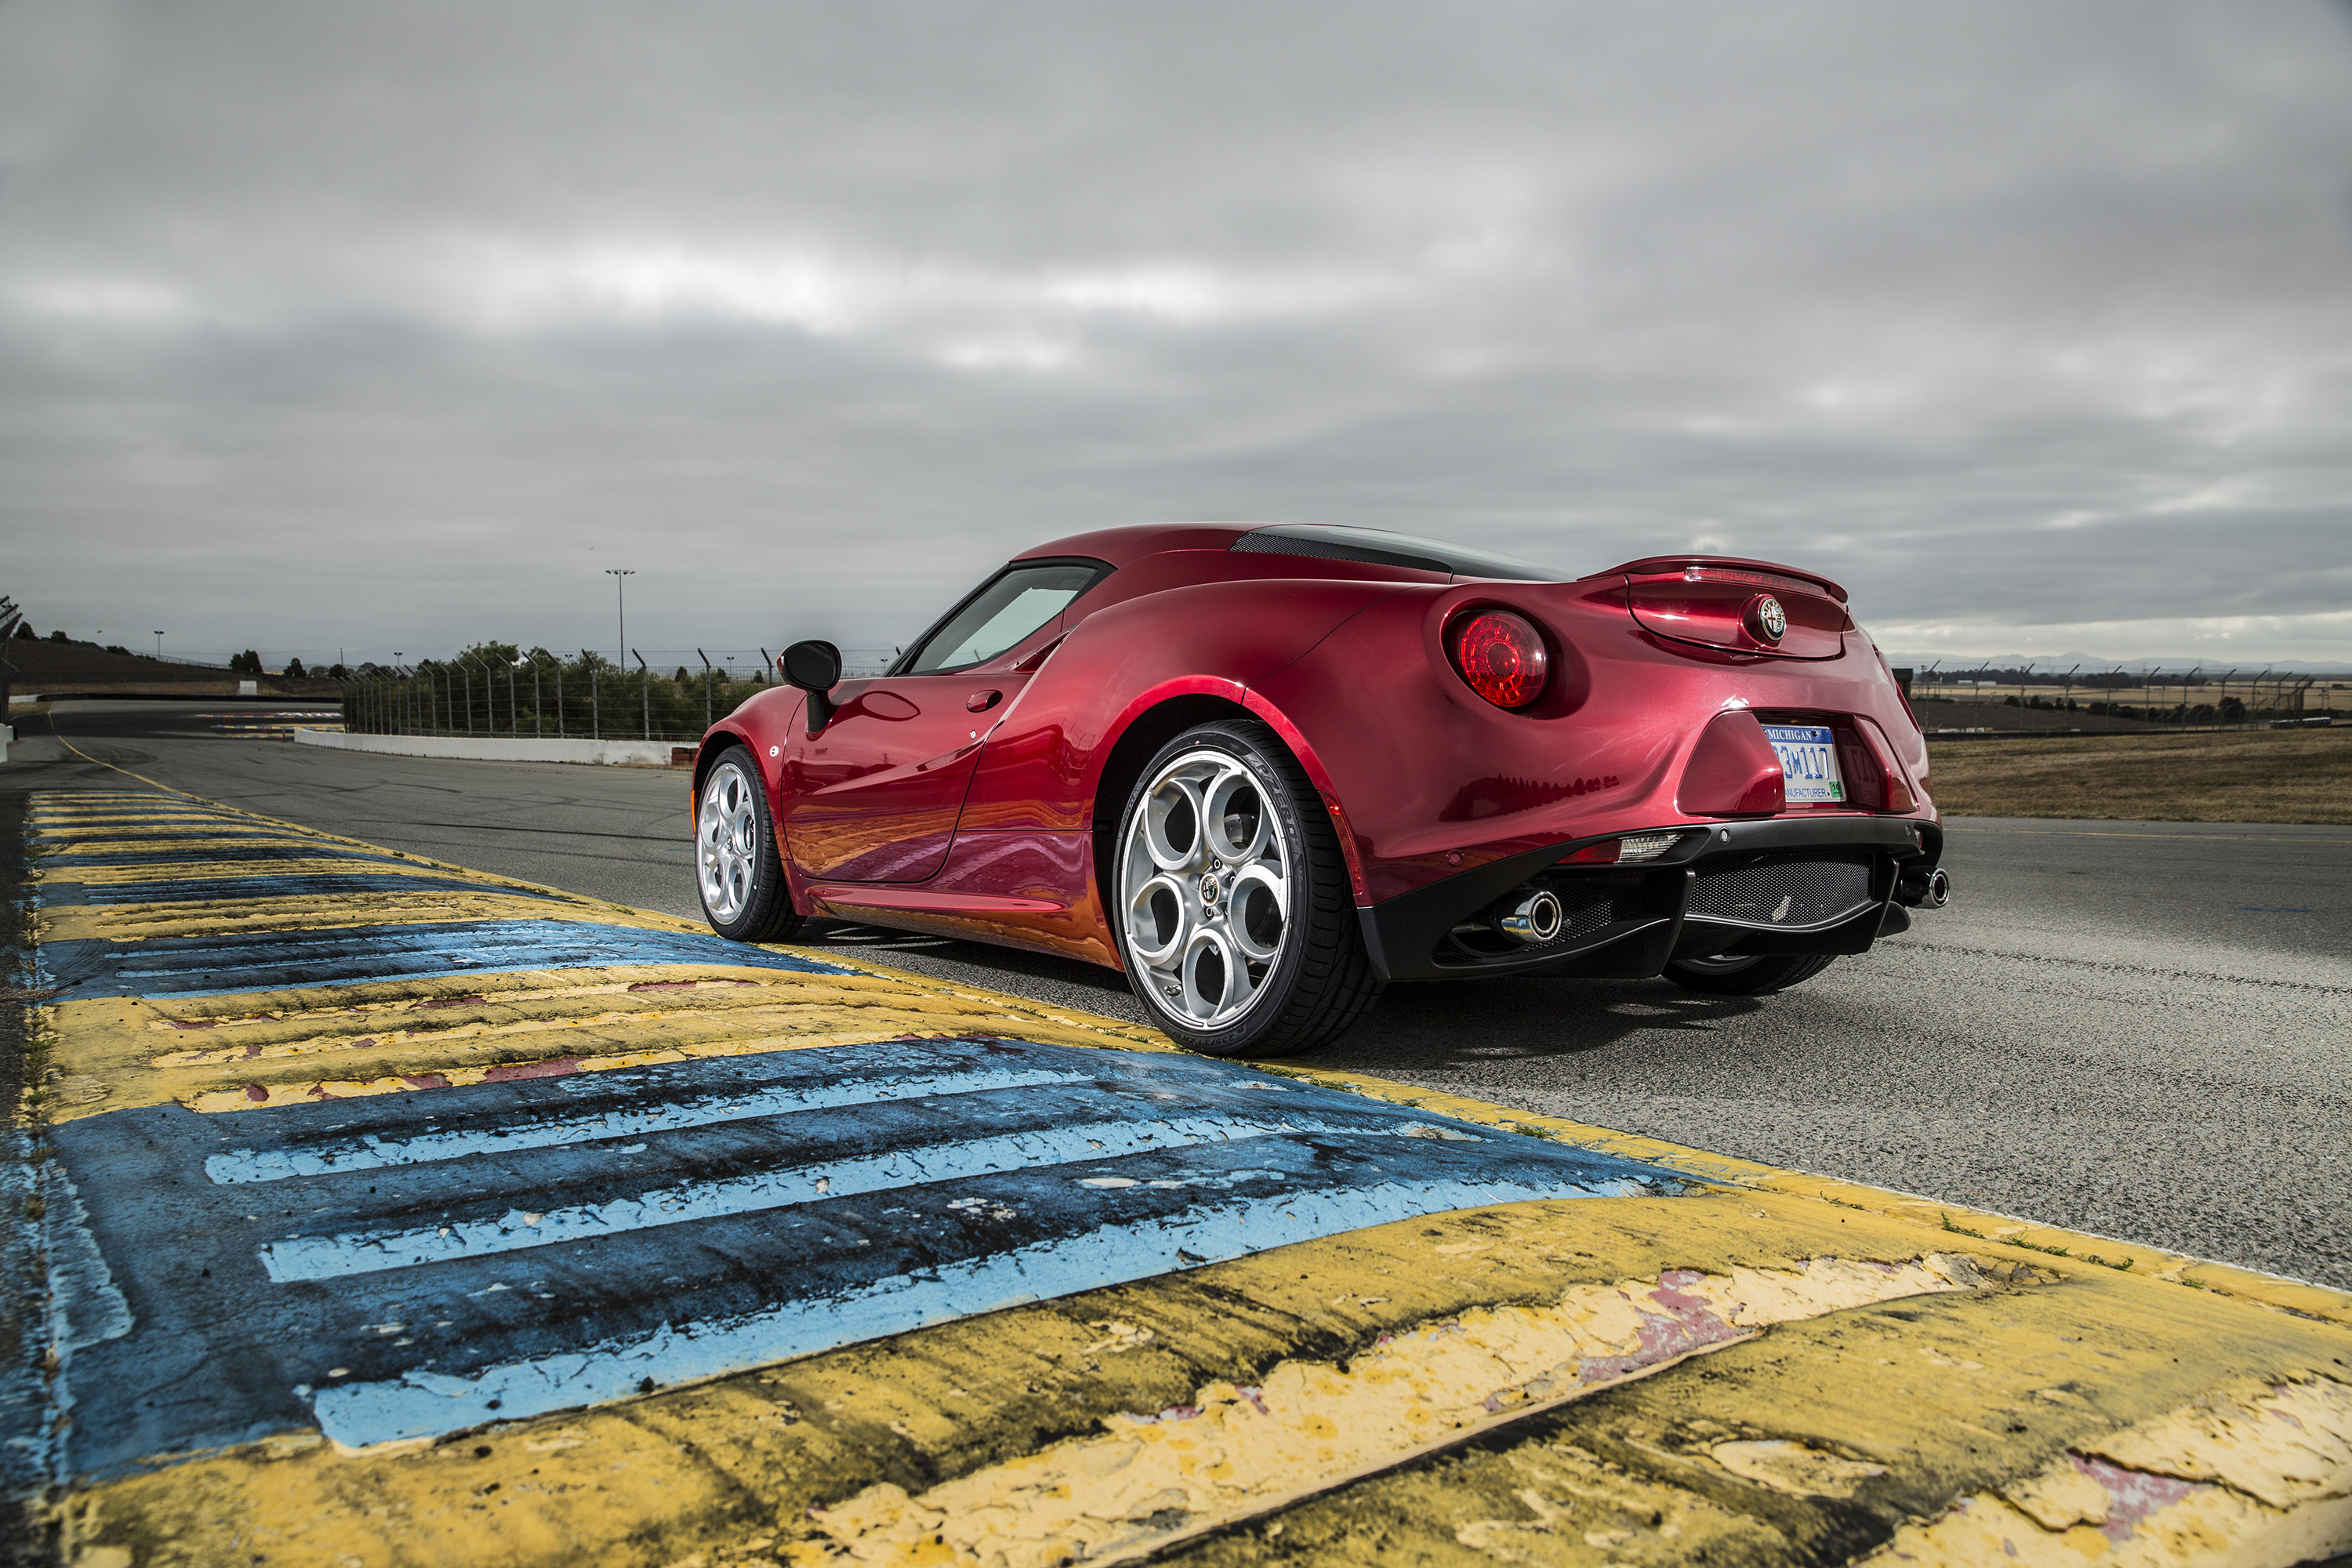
(1265, 771)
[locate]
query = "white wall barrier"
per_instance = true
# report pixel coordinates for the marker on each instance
(496, 748)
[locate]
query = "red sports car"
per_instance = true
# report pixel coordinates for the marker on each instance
(1264, 771)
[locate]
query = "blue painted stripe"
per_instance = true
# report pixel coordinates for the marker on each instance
(373, 1251)
(301, 885)
(519, 1128)
(224, 1352)
(271, 961)
(1121, 1248)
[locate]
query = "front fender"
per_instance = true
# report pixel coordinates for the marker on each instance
(761, 723)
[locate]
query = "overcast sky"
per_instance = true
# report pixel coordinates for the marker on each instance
(392, 326)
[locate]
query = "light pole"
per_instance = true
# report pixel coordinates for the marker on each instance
(621, 610)
(158, 645)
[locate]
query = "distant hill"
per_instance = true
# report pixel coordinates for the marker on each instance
(85, 669)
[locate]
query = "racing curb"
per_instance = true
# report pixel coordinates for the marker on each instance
(1720, 1360)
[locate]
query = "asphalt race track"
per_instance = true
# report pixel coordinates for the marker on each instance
(2140, 1030)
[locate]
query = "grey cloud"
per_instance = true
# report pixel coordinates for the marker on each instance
(391, 328)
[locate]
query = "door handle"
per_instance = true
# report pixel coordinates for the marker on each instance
(982, 702)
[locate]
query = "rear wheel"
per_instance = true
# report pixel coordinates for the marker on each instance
(736, 867)
(1234, 913)
(1756, 975)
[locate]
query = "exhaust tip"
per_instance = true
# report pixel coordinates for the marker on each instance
(1932, 889)
(1536, 919)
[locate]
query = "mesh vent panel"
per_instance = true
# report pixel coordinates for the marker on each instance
(1790, 894)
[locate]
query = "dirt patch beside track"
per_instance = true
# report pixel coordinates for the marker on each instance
(2257, 775)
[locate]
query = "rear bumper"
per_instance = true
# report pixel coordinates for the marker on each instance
(1784, 885)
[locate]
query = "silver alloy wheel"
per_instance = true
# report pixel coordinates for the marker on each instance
(727, 841)
(1205, 888)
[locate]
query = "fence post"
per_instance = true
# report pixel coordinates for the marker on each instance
(559, 699)
(595, 695)
(645, 692)
(705, 689)
(538, 710)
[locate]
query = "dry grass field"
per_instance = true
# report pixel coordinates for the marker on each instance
(2257, 775)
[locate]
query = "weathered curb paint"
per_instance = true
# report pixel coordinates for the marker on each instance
(1739, 1362)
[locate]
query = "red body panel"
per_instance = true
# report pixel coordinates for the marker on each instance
(982, 824)
(874, 795)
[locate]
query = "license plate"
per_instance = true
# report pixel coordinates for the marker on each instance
(1808, 754)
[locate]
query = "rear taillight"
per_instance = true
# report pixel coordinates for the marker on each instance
(1501, 657)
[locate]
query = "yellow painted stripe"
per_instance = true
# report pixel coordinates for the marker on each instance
(1027, 1420)
(110, 837)
(141, 922)
(216, 870)
(2017, 1424)
(243, 1052)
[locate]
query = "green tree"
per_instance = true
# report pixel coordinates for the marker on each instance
(294, 669)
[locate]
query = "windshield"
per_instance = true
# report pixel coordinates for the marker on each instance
(1373, 546)
(1006, 609)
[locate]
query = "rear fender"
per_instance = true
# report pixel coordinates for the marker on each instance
(1042, 766)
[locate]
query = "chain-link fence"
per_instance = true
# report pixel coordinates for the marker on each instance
(496, 689)
(2120, 699)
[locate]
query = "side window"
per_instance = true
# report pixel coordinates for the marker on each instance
(1009, 608)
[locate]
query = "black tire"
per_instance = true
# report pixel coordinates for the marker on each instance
(766, 910)
(1756, 976)
(1320, 980)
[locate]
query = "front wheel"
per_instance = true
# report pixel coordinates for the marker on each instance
(736, 867)
(1233, 911)
(1758, 975)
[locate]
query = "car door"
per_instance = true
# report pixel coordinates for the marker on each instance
(873, 795)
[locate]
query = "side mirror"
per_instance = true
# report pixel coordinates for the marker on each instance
(815, 668)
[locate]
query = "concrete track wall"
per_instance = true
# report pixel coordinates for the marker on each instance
(496, 749)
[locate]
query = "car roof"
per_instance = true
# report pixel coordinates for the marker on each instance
(1119, 546)
(1365, 546)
